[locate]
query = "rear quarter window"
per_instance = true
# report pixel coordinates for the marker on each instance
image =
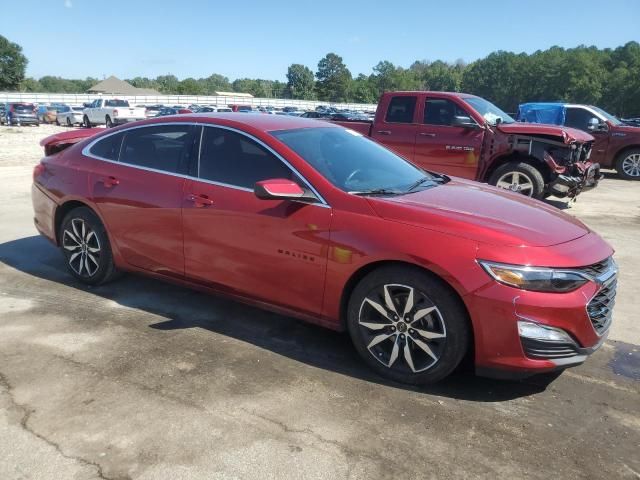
(108, 147)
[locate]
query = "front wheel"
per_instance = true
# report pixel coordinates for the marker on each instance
(108, 122)
(628, 164)
(519, 177)
(85, 245)
(69, 124)
(86, 122)
(407, 325)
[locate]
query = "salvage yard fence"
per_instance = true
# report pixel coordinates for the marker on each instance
(169, 100)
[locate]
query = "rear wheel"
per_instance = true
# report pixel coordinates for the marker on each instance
(69, 124)
(86, 122)
(628, 164)
(108, 122)
(407, 326)
(85, 245)
(519, 177)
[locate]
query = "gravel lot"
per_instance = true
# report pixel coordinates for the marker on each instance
(144, 380)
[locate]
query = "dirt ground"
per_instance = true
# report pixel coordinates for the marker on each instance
(143, 380)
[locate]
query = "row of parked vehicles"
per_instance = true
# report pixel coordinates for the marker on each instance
(548, 149)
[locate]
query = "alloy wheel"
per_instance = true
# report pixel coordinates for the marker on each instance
(631, 165)
(82, 248)
(516, 182)
(403, 329)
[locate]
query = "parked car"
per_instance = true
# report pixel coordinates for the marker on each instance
(212, 109)
(633, 121)
(617, 144)
(69, 116)
(47, 114)
(318, 222)
(172, 111)
(237, 108)
(111, 112)
(19, 113)
(467, 136)
(151, 111)
(315, 115)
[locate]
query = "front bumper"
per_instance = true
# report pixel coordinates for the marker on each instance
(579, 177)
(583, 316)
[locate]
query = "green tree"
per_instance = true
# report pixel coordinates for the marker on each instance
(168, 83)
(30, 85)
(13, 65)
(189, 86)
(334, 79)
(300, 82)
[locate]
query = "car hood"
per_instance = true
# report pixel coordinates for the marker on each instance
(481, 213)
(568, 135)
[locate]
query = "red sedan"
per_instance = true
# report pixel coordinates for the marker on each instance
(316, 221)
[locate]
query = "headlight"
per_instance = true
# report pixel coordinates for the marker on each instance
(537, 279)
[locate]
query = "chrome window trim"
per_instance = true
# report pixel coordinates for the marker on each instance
(86, 151)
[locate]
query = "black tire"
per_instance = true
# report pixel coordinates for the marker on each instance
(518, 169)
(107, 121)
(632, 167)
(57, 122)
(448, 320)
(88, 252)
(69, 124)
(86, 122)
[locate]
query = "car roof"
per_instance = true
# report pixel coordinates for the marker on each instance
(432, 92)
(259, 120)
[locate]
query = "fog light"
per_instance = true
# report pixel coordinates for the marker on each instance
(543, 333)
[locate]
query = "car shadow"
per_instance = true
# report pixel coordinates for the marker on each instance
(184, 308)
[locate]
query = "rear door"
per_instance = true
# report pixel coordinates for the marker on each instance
(443, 147)
(271, 250)
(137, 183)
(397, 130)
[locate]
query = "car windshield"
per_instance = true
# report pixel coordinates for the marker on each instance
(608, 116)
(488, 110)
(352, 162)
(116, 103)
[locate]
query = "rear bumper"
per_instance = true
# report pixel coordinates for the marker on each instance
(44, 209)
(122, 121)
(24, 120)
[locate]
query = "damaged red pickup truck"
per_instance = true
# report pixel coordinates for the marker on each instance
(467, 136)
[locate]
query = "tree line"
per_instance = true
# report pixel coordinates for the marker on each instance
(609, 78)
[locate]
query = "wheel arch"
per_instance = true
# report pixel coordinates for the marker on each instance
(622, 150)
(538, 163)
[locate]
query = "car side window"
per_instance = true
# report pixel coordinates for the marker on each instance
(108, 147)
(578, 118)
(168, 148)
(232, 158)
(401, 110)
(441, 111)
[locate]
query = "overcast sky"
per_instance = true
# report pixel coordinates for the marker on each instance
(260, 39)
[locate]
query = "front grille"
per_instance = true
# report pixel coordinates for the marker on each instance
(600, 308)
(547, 350)
(597, 268)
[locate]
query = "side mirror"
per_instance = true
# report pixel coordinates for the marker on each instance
(464, 122)
(280, 189)
(596, 125)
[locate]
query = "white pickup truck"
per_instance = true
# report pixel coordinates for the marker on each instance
(111, 112)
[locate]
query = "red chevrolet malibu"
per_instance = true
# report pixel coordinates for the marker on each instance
(316, 221)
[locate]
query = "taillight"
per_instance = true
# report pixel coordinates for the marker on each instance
(38, 170)
(115, 113)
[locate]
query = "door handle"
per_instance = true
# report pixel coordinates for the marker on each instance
(110, 181)
(200, 201)
(384, 132)
(426, 134)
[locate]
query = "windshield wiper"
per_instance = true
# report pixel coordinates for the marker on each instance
(418, 182)
(375, 191)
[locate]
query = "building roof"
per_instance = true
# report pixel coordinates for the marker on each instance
(116, 86)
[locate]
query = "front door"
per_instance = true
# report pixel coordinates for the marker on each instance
(443, 147)
(576, 117)
(269, 250)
